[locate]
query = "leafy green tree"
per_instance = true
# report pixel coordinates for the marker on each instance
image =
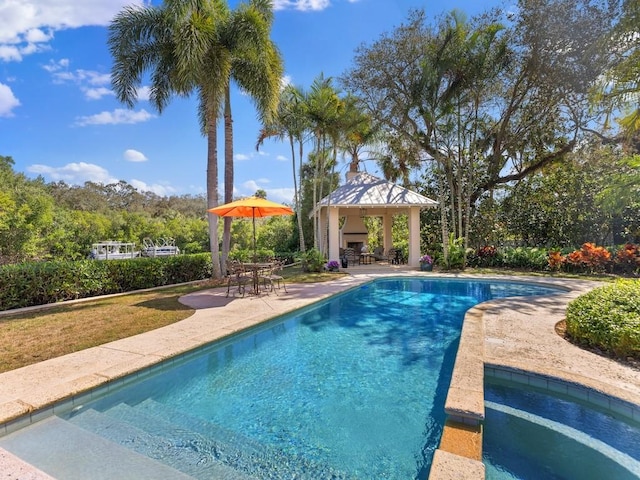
(619, 87)
(489, 105)
(583, 200)
(26, 215)
(275, 234)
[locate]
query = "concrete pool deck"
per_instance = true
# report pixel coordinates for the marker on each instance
(515, 334)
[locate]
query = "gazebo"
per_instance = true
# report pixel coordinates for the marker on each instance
(364, 195)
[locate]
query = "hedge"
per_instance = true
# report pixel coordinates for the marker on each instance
(608, 318)
(29, 284)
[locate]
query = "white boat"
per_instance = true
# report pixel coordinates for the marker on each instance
(163, 247)
(111, 250)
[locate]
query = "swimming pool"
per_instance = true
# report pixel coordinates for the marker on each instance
(532, 433)
(353, 387)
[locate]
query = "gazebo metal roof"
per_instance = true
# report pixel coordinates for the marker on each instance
(366, 191)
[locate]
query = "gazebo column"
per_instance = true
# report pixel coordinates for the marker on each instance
(387, 238)
(334, 234)
(414, 236)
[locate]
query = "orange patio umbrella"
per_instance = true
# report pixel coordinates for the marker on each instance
(251, 207)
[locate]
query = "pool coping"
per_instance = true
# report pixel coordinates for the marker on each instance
(34, 392)
(534, 360)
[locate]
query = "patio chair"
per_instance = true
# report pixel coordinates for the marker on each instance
(272, 280)
(395, 256)
(351, 256)
(378, 254)
(237, 274)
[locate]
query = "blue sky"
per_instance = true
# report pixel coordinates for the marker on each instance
(60, 119)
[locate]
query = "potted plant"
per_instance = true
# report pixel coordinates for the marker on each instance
(333, 265)
(426, 263)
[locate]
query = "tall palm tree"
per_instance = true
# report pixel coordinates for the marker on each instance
(324, 109)
(184, 44)
(291, 122)
(176, 44)
(256, 67)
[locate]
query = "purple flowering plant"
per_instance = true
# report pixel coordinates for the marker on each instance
(426, 259)
(332, 265)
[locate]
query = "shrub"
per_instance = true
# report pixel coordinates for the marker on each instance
(525, 258)
(456, 256)
(28, 284)
(627, 259)
(313, 261)
(486, 256)
(608, 318)
(589, 258)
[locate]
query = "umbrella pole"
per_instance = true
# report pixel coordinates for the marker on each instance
(255, 259)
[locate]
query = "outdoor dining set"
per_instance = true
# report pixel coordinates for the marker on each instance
(257, 276)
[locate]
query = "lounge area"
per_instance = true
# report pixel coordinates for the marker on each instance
(342, 215)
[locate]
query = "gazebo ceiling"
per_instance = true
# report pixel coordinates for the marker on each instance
(364, 191)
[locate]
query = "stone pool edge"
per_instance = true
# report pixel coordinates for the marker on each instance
(459, 455)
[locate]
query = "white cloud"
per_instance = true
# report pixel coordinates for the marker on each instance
(275, 194)
(281, 195)
(251, 186)
(81, 172)
(8, 101)
(241, 157)
(158, 189)
(302, 5)
(143, 93)
(285, 81)
(282, 158)
(93, 84)
(97, 93)
(56, 66)
(27, 25)
(134, 156)
(117, 117)
(74, 173)
(9, 53)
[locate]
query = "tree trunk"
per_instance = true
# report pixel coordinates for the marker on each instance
(296, 194)
(212, 193)
(228, 173)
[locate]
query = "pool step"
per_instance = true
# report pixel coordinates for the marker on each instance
(238, 451)
(199, 425)
(193, 457)
(68, 452)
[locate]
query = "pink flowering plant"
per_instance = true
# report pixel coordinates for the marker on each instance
(426, 259)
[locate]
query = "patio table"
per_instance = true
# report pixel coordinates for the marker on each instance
(365, 258)
(255, 268)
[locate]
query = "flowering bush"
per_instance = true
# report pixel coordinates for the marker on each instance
(556, 260)
(627, 259)
(333, 265)
(426, 259)
(589, 258)
(486, 256)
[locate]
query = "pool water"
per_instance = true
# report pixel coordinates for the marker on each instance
(351, 388)
(532, 434)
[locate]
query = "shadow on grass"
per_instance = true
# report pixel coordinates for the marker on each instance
(165, 304)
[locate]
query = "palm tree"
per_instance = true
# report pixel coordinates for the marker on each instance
(358, 131)
(291, 122)
(185, 44)
(254, 63)
(324, 110)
